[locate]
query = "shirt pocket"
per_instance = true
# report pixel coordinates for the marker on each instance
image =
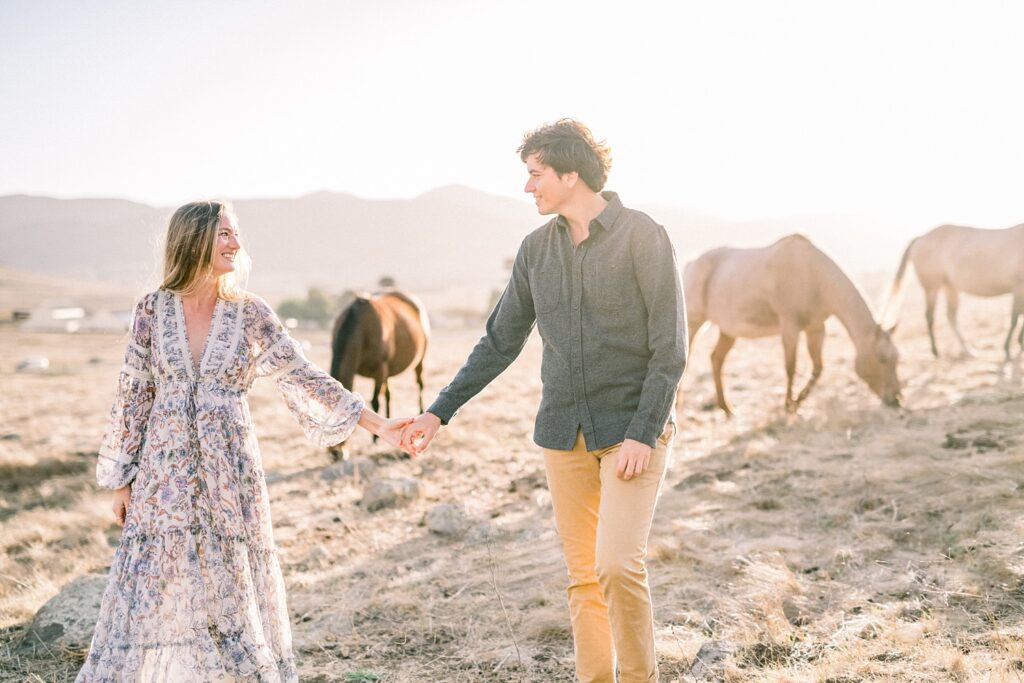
(609, 285)
(546, 288)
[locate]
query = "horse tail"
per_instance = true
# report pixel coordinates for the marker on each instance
(894, 299)
(345, 329)
(696, 275)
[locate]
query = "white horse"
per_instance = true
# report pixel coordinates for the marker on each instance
(784, 289)
(957, 259)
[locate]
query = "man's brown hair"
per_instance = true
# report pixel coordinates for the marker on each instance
(566, 146)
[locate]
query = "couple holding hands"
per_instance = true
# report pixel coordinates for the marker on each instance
(195, 591)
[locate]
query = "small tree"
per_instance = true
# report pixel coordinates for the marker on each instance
(316, 307)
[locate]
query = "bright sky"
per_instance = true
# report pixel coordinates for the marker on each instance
(898, 109)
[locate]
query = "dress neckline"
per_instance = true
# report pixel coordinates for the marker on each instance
(195, 366)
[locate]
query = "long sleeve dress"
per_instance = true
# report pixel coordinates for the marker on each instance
(195, 590)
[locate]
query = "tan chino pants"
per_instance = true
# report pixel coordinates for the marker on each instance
(604, 523)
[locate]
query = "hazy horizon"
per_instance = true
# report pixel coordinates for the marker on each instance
(905, 112)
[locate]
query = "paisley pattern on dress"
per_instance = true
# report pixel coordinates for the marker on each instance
(195, 590)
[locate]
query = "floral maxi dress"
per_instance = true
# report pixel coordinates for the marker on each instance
(195, 590)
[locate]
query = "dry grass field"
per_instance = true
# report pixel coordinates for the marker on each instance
(847, 543)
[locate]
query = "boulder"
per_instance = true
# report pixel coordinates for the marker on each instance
(709, 663)
(68, 619)
(448, 519)
(388, 493)
(358, 468)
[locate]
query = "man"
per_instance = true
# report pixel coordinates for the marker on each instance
(601, 283)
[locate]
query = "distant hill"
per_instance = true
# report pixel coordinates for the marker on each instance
(24, 290)
(449, 237)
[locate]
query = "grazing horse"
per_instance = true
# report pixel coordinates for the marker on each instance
(379, 336)
(786, 288)
(958, 259)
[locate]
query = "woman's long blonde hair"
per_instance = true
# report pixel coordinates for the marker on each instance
(188, 252)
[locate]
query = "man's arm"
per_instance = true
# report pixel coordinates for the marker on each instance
(654, 262)
(507, 329)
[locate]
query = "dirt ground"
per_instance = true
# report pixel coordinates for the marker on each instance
(849, 542)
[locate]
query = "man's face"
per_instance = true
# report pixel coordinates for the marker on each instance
(550, 191)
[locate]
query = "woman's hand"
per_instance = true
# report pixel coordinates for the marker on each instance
(122, 497)
(391, 431)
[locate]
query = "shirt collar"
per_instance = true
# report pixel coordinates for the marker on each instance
(606, 219)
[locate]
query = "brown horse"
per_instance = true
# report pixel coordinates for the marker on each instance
(379, 336)
(784, 289)
(955, 259)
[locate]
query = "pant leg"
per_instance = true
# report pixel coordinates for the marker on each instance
(626, 513)
(574, 479)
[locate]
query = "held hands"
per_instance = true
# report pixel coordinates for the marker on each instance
(391, 431)
(122, 497)
(417, 435)
(634, 457)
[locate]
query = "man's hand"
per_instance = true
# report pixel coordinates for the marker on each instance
(122, 497)
(634, 457)
(417, 434)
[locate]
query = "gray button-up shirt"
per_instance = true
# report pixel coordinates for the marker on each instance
(612, 320)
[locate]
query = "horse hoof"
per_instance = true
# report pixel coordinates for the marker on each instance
(338, 454)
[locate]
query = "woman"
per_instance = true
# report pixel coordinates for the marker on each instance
(195, 590)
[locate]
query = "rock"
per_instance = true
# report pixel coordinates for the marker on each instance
(482, 533)
(909, 634)
(274, 477)
(526, 484)
(954, 442)
(33, 364)
(387, 493)
(542, 499)
(709, 663)
(530, 533)
(697, 479)
(985, 443)
(358, 468)
(448, 519)
(318, 556)
(67, 619)
(793, 613)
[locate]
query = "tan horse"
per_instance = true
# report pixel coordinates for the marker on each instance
(379, 336)
(786, 288)
(958, 259)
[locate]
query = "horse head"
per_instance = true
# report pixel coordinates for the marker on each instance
(876, 365)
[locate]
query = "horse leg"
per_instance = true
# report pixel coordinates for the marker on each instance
(419, 383)
(725, 343)
(815, 342)
(952, 305)
(1018, 303)
(1016, 312)
(930, 295)
(790, 340)
(375, 401)
(387, 399)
